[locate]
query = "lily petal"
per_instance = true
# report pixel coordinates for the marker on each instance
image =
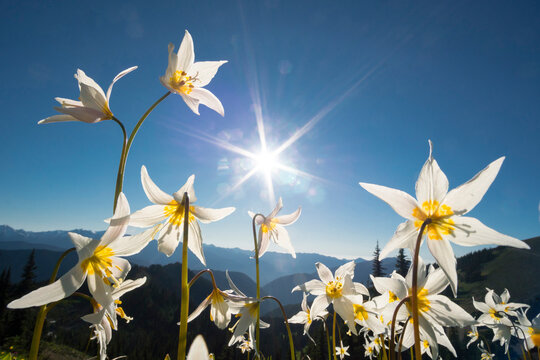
(432, 184)
(152, 191)
(324, 273)
(204, 71)
(57, 118)
(282, 239)
(148, 216)
(205, 97)
(58, 290)
(131, 245)
(465, 197)
(186, 55)
(470, 231)
(118, 223)
(195, 241)
(402, 203)
(289, 219)
(198, 349)
(404, 237)
(118, 77)
(187, 187)
(206, 215)
(443, 253)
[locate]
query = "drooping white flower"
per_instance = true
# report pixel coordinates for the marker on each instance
(187, 78)
(528, 331)
(246, 345)
(305, 317)
(473, 334)
(486, 355)
(100, 261)
(341, 350)
(272, 227)
(365, 314)
(93, 105)
(167, 216)
(446, 210)
(247, 312)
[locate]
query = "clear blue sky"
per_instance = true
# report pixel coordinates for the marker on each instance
(380, 77)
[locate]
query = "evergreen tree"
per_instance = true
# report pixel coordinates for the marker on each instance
(402, 263)
(28, 277)
(377, 268)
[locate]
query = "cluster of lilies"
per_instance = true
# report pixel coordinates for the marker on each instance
(408, 313)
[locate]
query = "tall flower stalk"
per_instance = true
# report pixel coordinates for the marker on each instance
(258, 323)
(184, 301)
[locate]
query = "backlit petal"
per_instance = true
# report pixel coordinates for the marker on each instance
(444, 255)
(289, 219)
(465, 197)
(198, 349)
(402, 203)
(324, 273)
(206, 215)
(404, 237)
(118, 77)
(186, 55)
(58, 290)
(152, 191)
(432, 184)
(204, 71)
(205, 97)
(148, 216)
(57, 118)
(187, 187)
(195, 241)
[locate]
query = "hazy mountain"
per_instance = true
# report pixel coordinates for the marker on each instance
(272, 265)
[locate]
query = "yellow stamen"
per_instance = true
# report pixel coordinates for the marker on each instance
(392, 297)
(181, 82)
(334, 289)
(423, 302)
(269, 227)
(360, 312)
(441, 224)
(494, 314)
(175, 212)
(99, 263)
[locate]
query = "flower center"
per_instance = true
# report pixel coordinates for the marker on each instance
(494, 314)
(440, 225)
(425, 343)
(334, 289)
(308, 316)
(175, 212)
(181, 82)
(271, 225)
(392, 297)
(360, 312)
(99, 263)
(535, 338)
(423, 302)
(108, 113)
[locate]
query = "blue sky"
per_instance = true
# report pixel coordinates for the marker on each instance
(377, 80)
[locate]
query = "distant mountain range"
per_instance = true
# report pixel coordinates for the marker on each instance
(272, 265)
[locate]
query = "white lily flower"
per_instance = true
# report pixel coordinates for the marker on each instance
(187, 78)
(333, 289)
(506, 306)
(246, 345)
(93, 105)
(446, 210)
(100, 261)
(486, 355)
(167, 216)
(433, 309)
(110, 309)
(492, 313)
(220, 311)
(103, 335)
(341, 350)
(272, 227)
(304, 317)
(431, 336)
(473, 334)
(247, 312)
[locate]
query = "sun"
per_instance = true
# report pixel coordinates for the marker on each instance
(266, 161)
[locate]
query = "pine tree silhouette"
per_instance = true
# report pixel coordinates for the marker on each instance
(377, 268)
(402, 263)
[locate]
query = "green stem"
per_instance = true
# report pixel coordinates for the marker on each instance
(334, 336)
(42, 314)
(328, 340)
(120, 175)
(485, 341)
(393, 327)
(412, 353)
(199, 274)
(258, 323)
(127, 146)
(414, 290)
(385, 355)
(184, 302)
(291, 345)
(401, 337)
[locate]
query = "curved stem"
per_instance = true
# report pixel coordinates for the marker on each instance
(42, 314)
(199, 274)
(414, 290)
(485, 341)
(57, 266)
(184, 302)
(334, 336)
(258, 323)
(523, 348)
(291, 345)
(401, 337)
(120, 175)
(393, 327)
(127, 146)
